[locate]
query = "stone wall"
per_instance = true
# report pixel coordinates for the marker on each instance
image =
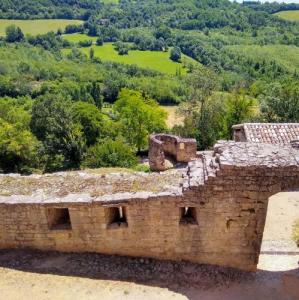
(217, 217)
(163, 145)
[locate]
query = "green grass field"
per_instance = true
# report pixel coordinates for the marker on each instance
(35, 27)
(287, 56)
(154, 60)
(290, 15)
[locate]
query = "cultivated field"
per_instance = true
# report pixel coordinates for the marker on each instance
(155, 60)
(35, 27)
(290, 15)
(284, 55)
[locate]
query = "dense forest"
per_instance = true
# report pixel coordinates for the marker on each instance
(67, 110)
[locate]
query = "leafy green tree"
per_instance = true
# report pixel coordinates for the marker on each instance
(18, 149)
(13, 112)
(53, 123)
(175, 54)
(14, 34)
(18, 146)
(202, 82)
(163, 32)
(139, 117)
(110, 153)
(96, 93)
(239, 109)
(206, 125)
(204, 110)
(280, 102)
(91, 120)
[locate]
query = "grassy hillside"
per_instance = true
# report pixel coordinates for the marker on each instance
(155, 60)
(290, 15)
(35, 27)
(284, 55)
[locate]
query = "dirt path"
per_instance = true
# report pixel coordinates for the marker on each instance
(28, 275)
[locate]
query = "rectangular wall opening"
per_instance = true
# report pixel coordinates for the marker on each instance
(59, 219)
(188, 216)
(117, 217)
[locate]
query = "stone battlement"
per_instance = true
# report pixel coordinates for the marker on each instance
(212, 211)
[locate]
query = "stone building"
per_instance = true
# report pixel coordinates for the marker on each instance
(211, 211)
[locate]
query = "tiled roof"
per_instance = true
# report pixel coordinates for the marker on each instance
(271, 133)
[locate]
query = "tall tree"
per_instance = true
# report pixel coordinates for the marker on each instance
(280, 102)
(53, 123)
(139, 117)
(239, 109)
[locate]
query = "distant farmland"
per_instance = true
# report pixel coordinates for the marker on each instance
(290, 15)
(155, 60)
(35, 27)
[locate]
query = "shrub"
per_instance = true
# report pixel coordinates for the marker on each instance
(142, 168)
(100, 41)
(175, 54)
(110, 153)
(86, 43)
(14, 34)
(73, 28)
(121, 48)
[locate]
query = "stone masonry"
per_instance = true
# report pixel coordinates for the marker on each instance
(163, 145)
(213, 211)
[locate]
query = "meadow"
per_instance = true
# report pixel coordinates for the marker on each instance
(280, 53)
(34, 27)
(155, 60)
(290, 15)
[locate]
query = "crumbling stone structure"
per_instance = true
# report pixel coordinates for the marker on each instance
(211, 212)
(163, 145)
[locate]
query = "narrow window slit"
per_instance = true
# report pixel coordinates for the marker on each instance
(188, 215)
(117, 217)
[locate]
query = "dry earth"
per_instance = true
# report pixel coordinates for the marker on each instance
(42, 276)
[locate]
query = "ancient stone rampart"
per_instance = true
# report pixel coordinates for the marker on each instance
(163, 145)
(212, 212)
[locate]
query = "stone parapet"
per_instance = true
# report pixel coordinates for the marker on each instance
(212, 212)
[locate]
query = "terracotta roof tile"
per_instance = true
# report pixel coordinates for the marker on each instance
(272, 133)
